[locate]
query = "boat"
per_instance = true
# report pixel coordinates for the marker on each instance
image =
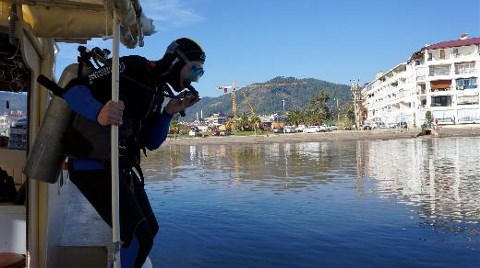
(52, 228)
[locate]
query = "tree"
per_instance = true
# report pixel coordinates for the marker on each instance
(295, 117)
(428, 116)
(318, 108)
(255, 121)
(174, 128)
(242, 122)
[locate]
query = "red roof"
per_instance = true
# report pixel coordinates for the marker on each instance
(454, 43)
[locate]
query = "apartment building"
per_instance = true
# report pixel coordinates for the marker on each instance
(441, 78)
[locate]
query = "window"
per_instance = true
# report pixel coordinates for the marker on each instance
(444, 116)
(468, 115)
(466, 83)
(465, 67)
(440, 85)
(442, 54)
(442, 101)
(467, 99)
(439, 70)
(430, 56)
(455, 52)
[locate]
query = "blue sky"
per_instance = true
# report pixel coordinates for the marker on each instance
(251, 41)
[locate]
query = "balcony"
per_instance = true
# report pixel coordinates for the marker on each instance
(421, 78)
(441, 101)
(464, 87)
(467, 99)
(439, 73)
(466, 71)
(439, 70)
(440, 89)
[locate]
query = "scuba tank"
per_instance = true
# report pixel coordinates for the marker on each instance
(45, 159)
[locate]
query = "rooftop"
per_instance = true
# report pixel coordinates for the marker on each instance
(455, 43)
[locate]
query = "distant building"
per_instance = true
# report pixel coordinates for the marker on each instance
(440, 78)
(4, 125)
(7, 119)
(216, 120)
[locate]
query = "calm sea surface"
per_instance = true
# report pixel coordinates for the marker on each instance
(396, 203)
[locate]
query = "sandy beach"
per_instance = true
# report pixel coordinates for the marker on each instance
(385, 134)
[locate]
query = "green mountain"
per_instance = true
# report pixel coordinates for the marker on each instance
(274, 96)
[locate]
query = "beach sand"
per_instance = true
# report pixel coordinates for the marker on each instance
(384, 134)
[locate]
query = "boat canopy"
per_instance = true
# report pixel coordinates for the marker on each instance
(78, 21)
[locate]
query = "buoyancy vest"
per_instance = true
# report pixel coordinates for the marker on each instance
(138, 90)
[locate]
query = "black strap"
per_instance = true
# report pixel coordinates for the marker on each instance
(140, 173)
(49, 84)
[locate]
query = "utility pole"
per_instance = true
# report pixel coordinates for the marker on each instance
(338, 112)
(357, 101)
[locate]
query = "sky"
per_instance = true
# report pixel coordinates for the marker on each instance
(251, 41)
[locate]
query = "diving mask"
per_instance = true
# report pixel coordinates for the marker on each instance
(196, 73)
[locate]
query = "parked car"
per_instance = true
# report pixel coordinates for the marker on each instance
(278, 130)
(331, 128)
(20, 123)
(300, 128)
(323, 128)
(194, 133)
(289, 129)
(379, 125)
(402, 125)
(221, 133)
(311, 129)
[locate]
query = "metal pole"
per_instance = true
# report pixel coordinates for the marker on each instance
(114, 146)
(356, 109)
(338, 113)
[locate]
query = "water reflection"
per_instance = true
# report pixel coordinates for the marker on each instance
(439, 177)
(277, 166)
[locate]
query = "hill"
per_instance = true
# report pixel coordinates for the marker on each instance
(266, 98)
(270, 97)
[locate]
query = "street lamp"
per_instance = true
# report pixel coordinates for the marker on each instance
(338, 111)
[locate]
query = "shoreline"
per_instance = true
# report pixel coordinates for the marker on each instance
(337, 135)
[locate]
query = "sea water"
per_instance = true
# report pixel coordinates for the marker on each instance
(381, 203)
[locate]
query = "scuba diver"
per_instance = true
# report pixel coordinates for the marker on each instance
(143, 124)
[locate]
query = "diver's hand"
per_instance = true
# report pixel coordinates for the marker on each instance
(182, 102)
(111, 113)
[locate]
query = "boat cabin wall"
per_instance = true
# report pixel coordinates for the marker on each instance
(44, 216)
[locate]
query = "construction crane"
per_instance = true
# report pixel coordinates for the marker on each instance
(252, 110)
(233, 88)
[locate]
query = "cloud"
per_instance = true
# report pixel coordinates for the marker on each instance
(170, 14)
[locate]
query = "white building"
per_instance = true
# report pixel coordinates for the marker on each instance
(440, 78)
(216, 120)
(4, 125)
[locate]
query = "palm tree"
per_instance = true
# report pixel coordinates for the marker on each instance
(255, 121)
(174, 127)
(243, 122)
(295, 117)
